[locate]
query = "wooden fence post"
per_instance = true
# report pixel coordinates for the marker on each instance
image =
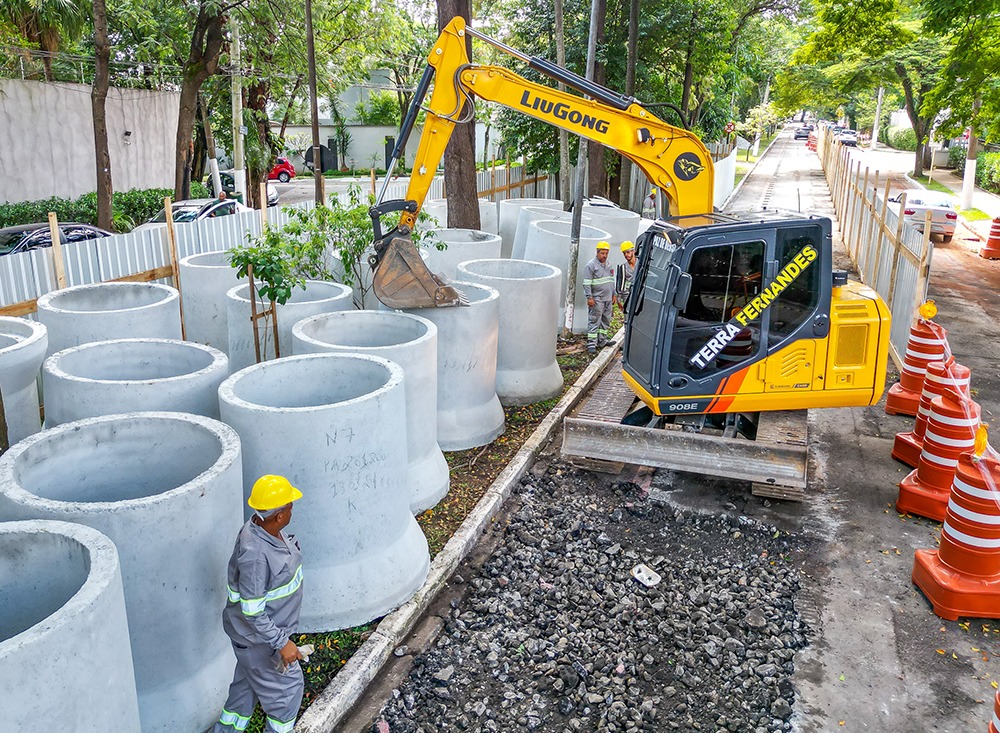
(58, 263)
(168, 211)
(263, 204)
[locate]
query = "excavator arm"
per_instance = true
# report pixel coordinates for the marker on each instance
(672, 158)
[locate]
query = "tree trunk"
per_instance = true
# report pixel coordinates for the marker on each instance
(460, 157)
(597, 169)
(98, 99)
(625, 172)
(207, 40)
(688, 72)
(288, 107)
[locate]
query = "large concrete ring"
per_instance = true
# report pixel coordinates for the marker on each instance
(166, 488)
(510, 210)
(335, 426)
(411, 342)
(461, 245)
(527, 371)
(528, 214)
(64, 651)
(106, 311)
(23, 344)
(205, 280)
(132, 375)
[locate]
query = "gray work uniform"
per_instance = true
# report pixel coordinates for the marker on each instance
(265, 597)
(599, 284)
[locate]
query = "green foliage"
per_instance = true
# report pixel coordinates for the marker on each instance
(758, 119)
(903, 139)
(956, 157)
(988, 171)
(130, 208)
(382, 108)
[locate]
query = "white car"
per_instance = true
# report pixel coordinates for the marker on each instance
(943, 208)
(195, 209)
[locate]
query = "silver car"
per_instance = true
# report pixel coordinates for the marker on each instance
(943, 208)
(195, 209)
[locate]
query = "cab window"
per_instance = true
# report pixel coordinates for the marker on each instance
(706, 339)
(799, 299)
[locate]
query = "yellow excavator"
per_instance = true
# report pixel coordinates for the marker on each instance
(728, 313)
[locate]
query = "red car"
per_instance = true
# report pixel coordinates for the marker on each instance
(283, 170)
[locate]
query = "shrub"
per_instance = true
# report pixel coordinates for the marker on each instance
(903, 139)
(956, 157)
(988, 171)
(129, 208)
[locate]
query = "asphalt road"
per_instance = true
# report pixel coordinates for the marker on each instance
(881, 660)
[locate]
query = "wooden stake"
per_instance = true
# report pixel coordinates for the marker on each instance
(263, 204)
(168, 211)
(57, 252)
(374, 190)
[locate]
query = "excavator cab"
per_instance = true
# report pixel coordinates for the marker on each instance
(743, 312)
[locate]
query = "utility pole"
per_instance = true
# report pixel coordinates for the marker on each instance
(314, 107)
(565, 190)
(878, 116)
(239, 164)
(581, 181)
(969, 179)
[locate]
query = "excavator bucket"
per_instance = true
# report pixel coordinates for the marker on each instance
(402, 280)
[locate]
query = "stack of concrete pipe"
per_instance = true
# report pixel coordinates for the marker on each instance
(132, 375)
(620, 224)
(510, 210)
(23, 345)
(527, 371)
(205, 280)
(335, 426)
(438, 208)
(65, 661)
(87, 313)
(549, 242)
(411, 342)
(317, 297)
(529, 214)
(461, 245)
(469, 412)
(166, 488)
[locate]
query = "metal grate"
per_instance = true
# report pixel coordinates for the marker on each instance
(610, 398)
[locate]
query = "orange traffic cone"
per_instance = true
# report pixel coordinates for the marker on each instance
(928, 342)
(907, 446)
(962, 576)
(995, 723)
(991, 250)
(951, 431)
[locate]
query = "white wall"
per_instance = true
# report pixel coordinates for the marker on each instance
(47, 139)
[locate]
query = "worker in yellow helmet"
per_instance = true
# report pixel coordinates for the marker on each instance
(624, 273)
(599, 289)
(265, 597)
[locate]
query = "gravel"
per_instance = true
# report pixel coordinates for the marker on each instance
(554, 634)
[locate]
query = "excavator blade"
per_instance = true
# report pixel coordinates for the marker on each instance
(402, 280)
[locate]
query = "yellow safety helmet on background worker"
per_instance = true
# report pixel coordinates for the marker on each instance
(603, 245)
(272, 492)
(627, 246)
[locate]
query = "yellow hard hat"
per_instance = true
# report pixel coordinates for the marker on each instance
(272, 492)
(627, 246)
(603, 245)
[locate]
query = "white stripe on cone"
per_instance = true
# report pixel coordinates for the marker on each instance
(974, 492)
(950, 442)
(973, 516)
(967, 539)
(934, 458)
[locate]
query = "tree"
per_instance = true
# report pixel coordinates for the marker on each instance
(98, 99)
(46, 23)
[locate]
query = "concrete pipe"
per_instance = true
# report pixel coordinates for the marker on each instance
(65, 662)
(510, 210)
(548, 241)
(88, 313)
(23, 344)
(205, 280)
(411, 342)
(364, 553)
(468, 410)
(462, 245)
(620, 224)
(166, 488)
(527, 371)
(529, 214)
(131, 375)
(438, 208)
(317, 297)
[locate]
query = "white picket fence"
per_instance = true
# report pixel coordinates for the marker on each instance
(27, 276)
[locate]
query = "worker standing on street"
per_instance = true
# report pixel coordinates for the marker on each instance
(265, 597)
(624, 274)
(599, 289)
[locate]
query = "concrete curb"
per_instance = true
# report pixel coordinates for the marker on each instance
(350, 684)
(743, 180)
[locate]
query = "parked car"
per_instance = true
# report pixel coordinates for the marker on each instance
(802, 133)
(848, 138)
(194, 210)
(943, 208)
(25, 237)
(229, 186)
(283, 170)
